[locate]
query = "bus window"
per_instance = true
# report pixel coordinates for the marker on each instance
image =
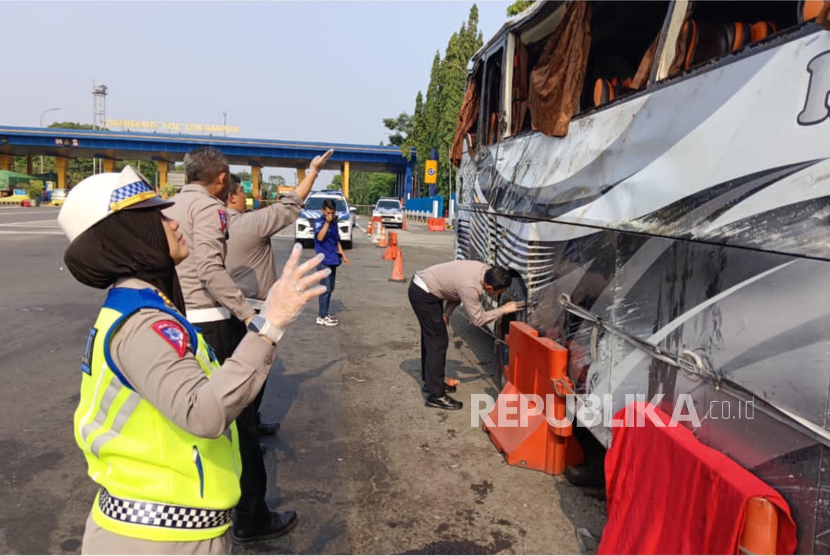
(467, 125)
(624, 38)
(492, 105)
(715, 29)
(519, 115)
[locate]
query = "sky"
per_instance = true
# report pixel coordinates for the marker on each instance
(303, 70)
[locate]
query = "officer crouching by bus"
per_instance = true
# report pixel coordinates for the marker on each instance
(156, 414)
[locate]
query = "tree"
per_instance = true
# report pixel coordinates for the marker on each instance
(433, 121)
(400, 128)
(336, 184)
(365, 188)
(518, 7)
(244, 175)
(272, 185)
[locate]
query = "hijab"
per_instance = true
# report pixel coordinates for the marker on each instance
(127, 244)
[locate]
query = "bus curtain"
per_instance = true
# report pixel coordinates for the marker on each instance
(466, 119)
(643, 72)
(557, 79)
(520, 82)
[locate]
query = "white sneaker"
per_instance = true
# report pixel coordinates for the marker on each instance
(333, 319)
(330, 321)
(321, 321)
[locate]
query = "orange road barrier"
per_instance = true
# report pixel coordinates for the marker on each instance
(392, 248)
(383, 236)
(436, 224)
(760, 531)
(537, 366)
(397, 270)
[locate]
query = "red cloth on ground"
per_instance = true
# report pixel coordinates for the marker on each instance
(670, 494)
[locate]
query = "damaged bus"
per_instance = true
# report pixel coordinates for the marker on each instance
(657, 176)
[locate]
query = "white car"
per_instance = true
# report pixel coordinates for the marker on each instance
(390, 211)
(313, 209)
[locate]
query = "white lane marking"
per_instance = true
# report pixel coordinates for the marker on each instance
(32, 233)
(27, 222)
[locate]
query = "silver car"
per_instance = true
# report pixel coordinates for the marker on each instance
(390, 211)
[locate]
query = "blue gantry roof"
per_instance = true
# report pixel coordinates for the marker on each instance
(84, 143)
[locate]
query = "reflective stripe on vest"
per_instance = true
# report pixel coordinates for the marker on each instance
(185, 486)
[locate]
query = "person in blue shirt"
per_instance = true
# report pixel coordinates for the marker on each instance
(327, 242)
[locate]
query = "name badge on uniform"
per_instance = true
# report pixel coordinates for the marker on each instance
(223, 223)
(172, 333)
(86, 358)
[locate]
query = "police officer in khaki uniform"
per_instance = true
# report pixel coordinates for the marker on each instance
(250, 259)
(156, 411)
(217, 305)
(250, 262)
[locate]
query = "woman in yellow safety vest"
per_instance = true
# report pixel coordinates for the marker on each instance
(155, 418)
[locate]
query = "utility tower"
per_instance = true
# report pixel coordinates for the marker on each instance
(99, 114)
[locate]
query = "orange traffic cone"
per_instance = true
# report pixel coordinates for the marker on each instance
(397, 270)
(383, 242)
(403, 224)
(392, 249)
(369, 228)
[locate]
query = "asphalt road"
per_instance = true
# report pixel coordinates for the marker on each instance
(368, 468)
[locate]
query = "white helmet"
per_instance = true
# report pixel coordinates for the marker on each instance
(101, 195)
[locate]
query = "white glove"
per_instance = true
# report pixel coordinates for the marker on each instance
(293, 290)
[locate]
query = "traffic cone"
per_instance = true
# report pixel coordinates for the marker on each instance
(392, 249)
(383, 241)
(403, 224)
(397, 270)
(369, 228)
(376, 233)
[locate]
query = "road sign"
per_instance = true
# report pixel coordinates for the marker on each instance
(247, 186)
(431, 171)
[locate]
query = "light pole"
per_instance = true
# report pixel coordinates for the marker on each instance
(41, 125)
(225, 123)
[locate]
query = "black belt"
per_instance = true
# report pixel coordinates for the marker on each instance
(160, 515)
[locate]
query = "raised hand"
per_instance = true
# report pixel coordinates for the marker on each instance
(320, 161)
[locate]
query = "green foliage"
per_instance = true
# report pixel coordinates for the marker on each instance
(271, 186)
(167, 190)
(400, 128)
(35, 189)
(275, 180)
(518, 7)
(365, 188)
(432, 124)
(244, 175)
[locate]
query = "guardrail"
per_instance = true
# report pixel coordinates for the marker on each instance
(429, 210)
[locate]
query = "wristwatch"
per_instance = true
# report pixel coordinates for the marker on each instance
(261, 326)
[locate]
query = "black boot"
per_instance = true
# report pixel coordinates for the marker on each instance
(444, 402)
(281, 524)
